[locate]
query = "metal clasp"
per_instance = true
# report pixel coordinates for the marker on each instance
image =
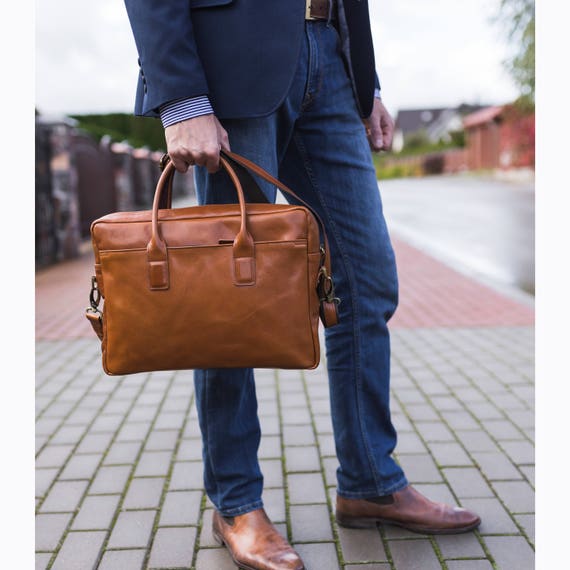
(94, 296)
(325, 287)
(164, 160)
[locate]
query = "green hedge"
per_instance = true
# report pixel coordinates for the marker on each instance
(137, 131)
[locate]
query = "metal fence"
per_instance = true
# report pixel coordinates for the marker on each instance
(79, 180)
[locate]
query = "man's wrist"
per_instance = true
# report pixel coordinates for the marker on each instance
(184, 109)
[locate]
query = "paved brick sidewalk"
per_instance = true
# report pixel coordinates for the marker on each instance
(118, 469)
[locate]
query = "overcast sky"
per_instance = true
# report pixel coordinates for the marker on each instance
(436, 53)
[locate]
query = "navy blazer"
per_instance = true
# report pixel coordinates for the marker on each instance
(241, 53)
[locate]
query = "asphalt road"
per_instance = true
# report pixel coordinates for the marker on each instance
(478, 224)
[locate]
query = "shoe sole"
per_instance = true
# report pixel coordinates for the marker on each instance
(359, 522)
(241, 565)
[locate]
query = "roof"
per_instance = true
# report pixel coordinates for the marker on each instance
(413, 120)
(482, 116)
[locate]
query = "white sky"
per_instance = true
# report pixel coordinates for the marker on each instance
(429, 53)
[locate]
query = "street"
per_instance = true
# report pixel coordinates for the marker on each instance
(475, 223)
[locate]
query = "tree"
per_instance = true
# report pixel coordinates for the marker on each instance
(518, 17)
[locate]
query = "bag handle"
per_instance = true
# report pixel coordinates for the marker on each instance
(325, 286)
(251, 189)
(244, 246)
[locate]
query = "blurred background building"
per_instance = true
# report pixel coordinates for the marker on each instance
(457, 139)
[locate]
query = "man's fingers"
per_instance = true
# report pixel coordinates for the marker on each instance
(213, 164)
(223, 138)
(387, 135)
(225, 142)
(380, 129)
(180, 164)
(375, 138)
(196, 141)
(377, 144)
(210, 158)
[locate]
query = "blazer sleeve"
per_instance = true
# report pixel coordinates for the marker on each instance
(170, 67)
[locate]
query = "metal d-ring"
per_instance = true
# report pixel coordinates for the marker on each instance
(326, 287)
(94, 296)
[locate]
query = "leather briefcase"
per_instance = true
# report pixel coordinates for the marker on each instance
(215, 286)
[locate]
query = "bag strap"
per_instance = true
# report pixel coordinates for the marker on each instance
(251, 189)
(246, 165)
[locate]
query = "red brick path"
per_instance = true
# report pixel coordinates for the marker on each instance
(434, 295)
(431, 295)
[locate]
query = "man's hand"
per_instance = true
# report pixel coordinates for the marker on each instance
(379, 127)
(196, 141)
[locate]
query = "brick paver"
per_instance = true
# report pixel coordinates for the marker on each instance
(173, 548)
(119, 465)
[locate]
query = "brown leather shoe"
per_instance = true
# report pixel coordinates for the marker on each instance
(406, 508)
(254, 543)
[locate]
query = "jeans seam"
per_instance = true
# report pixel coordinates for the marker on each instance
(314, 68)
(352, 286)
(319, 70)
(210, 462)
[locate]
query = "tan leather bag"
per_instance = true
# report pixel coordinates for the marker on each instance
(230, 285)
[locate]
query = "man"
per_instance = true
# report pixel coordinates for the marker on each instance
(287, 85)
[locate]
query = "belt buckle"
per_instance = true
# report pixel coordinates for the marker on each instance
(308, 15)
(319, 6)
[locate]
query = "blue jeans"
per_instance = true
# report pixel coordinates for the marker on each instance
(316, 144)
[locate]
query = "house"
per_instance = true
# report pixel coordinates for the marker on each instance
(435, 124)
(500, 137)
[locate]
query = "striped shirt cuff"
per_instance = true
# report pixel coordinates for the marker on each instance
(184, 109)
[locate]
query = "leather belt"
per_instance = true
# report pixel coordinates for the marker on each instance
(318, 9)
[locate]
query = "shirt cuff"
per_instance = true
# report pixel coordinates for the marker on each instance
(184, 109)
(377, 93)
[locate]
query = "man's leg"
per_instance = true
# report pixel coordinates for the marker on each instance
(227, 404)
(326, 159)
(225, 398)
(328, 163)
